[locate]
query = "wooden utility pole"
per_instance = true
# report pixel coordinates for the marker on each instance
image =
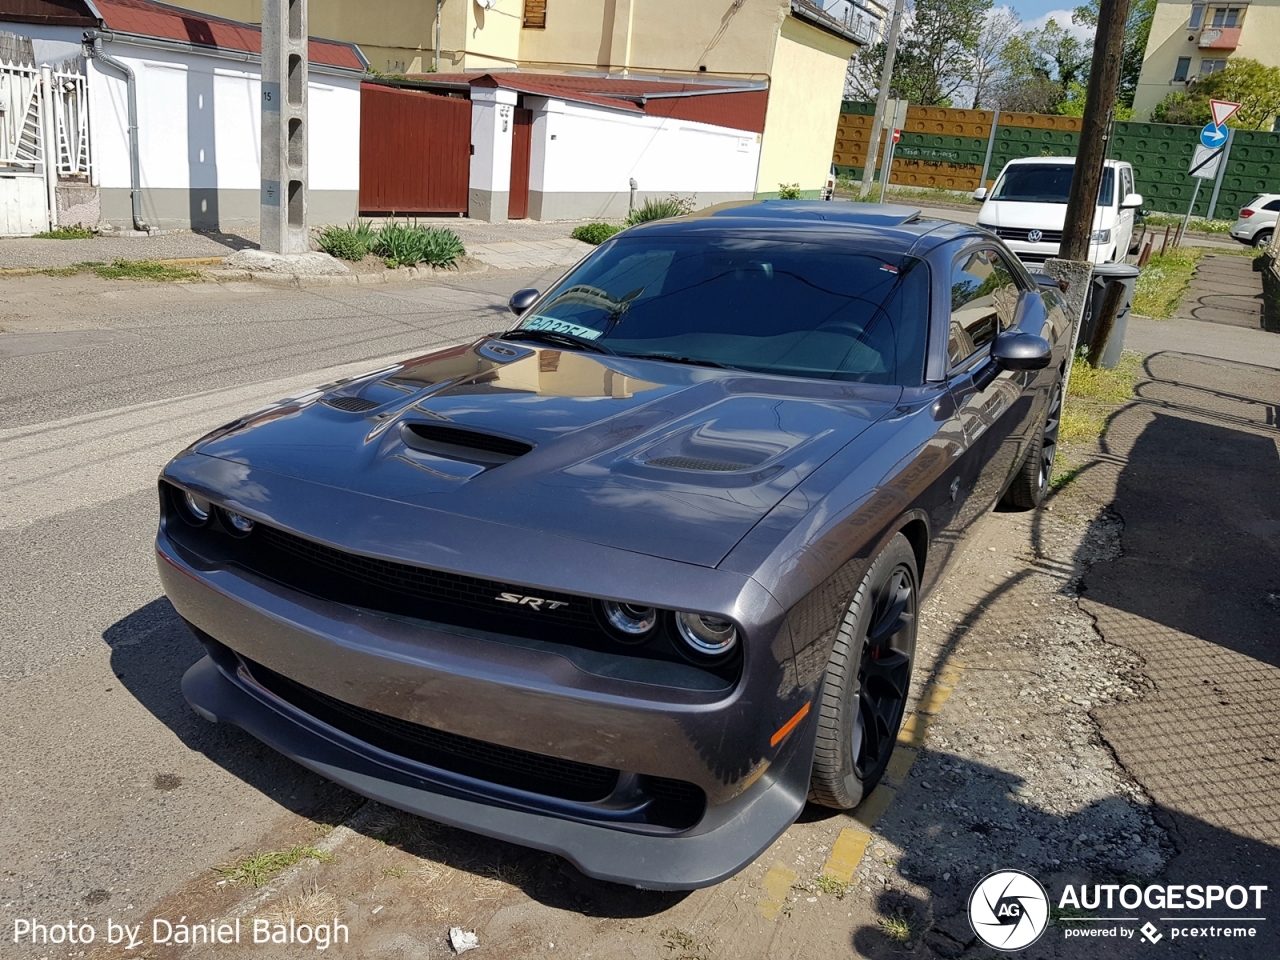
(1104, 80)
(882, 98)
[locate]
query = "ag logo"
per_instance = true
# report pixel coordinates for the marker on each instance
(1008, 910)
(1034, 236)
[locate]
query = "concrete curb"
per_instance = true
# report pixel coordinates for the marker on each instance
(398, 275)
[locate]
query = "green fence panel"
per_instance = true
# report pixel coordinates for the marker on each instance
(859, 107)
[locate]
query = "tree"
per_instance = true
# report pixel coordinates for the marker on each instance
(1040, 69)
(1136, 32)
(938, 48)
(862, 76)
(1000, 27)
(1246, 82)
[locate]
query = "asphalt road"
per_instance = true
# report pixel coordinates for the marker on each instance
(114, 792)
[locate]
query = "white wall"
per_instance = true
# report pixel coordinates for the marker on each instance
(598, 150)
(199, 123)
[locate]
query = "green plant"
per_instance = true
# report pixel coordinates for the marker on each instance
(896, 928)
(837, 888)
(120, 269)
(257, 868)
(652, 209)
(404, 245)
(789, 191)
(343, 243)
(1105, 386)
(78, 232)
(1199, 224)
(594, 233)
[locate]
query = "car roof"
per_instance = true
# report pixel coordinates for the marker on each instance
(884, 227)
(1069, 161)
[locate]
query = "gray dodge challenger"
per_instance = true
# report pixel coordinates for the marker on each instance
(637, 578)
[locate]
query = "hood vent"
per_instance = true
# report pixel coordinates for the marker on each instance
(458, 444)
(350, 404)
(698, 464)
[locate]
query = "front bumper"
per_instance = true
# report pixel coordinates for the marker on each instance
(517, 697)
(728, 839)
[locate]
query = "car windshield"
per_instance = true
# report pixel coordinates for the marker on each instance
(1047, 183)
(796, 309)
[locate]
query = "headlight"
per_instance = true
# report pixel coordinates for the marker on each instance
(706, 636)
(195, 509)
(238, 523)
(1100, 236)
(629, 620)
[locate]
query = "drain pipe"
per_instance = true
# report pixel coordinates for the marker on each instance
(93, 49)
(439, 7)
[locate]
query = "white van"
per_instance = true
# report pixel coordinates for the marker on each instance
(1027, 208)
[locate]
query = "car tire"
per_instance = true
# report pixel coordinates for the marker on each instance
(1262, 238)
(1031, 483)
(864, 690)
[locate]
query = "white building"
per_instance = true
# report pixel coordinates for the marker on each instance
(197, 88)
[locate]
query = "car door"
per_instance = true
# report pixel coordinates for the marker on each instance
(986, 297)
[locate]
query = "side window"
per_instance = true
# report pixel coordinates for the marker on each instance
(984, 299)
(1126, 183)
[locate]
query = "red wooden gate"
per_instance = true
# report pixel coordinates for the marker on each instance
(415, 151)
(521, 145)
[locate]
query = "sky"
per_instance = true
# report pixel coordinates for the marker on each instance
(1036, 13)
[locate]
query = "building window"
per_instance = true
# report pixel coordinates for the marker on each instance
(1211, 66)
(535, 13)
(1227, 17)
(1197, 16)
(1184, 67)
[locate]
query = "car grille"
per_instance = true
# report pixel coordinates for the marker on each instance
(1014, 233)
(432, 587)
(676, 804)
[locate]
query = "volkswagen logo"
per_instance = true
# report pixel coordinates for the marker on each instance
(1035, 236)
(1008, 910)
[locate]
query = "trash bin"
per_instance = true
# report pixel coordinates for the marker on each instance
(1103, 274)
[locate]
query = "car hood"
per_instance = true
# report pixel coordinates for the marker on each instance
(658, 458)
(1030, 216)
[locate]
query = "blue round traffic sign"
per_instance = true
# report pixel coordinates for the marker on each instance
(1213, 136)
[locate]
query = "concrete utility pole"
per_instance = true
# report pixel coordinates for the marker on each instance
(1104, 79)
(284, 127)
(882, 98)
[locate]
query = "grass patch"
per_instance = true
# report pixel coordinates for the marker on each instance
(1164, 281)
(257, 868)
(898, 194)
(120, 269)
(78, 232)
(351, 242)
(896, 928)
(594, 233)
(1063, 478)
(1105, 386)
(837, 888)
(1080, 425)
(1198, 224)
(72, 270)
(683, 946)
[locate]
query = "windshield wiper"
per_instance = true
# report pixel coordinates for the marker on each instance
(555, 338)
(672, 358)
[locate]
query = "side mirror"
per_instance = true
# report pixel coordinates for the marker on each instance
(1014, 350)
(980, 193)
(522, 300)
(1131, 202)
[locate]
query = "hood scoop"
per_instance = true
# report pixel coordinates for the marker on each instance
(455, 443)
(698, 464)
(350, 404)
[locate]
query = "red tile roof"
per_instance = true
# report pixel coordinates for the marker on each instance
(150, 19)
(725, 106)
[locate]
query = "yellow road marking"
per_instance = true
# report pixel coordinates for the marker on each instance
(776, 884)
(846, 854)
(900, 765)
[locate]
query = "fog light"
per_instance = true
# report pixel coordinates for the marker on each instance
(238, 522)
(632, 621)
(708, 636)
(196, 508)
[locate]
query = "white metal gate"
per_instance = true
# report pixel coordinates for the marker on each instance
(44, 135)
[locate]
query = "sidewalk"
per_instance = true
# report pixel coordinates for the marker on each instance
(1226, 290)
(518, 244)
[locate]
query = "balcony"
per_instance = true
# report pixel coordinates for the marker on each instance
(1219, 38)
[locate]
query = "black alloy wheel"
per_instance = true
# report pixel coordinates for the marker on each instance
(1031, 483)
(864, 690)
